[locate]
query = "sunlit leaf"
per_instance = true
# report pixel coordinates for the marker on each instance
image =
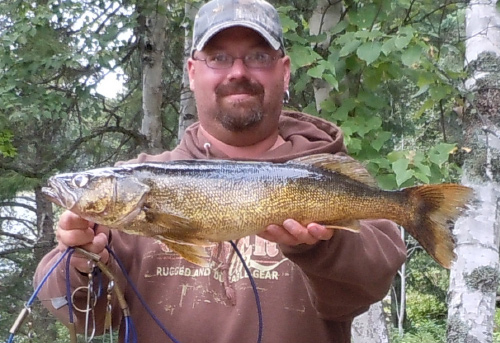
(369, 52)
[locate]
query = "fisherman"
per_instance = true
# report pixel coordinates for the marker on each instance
(312, 281)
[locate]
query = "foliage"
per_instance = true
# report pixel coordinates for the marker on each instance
(387, 66)
(496, 332)
(427, 332)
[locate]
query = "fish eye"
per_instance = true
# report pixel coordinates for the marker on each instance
(79, 181)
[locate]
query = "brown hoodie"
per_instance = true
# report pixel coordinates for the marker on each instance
(308, 293)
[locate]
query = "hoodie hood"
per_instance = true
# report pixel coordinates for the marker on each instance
(303, 135)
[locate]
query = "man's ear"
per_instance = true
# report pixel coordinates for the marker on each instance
(191, 71)
(286, 74)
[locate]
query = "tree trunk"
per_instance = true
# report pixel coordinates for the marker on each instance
(474, 275)
(152, 89)
(188, 113)
(370, 327)
(42, 321)
(325, 16)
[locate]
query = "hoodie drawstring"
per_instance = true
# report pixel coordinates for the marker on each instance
(207, 147)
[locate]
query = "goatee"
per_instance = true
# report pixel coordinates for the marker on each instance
(238, 123)
(240, 116)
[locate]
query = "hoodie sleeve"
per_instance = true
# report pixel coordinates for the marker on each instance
(348, 273)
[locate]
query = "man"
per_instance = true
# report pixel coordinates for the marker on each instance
(312, 281)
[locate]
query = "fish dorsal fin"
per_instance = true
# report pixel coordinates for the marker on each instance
(341, 164)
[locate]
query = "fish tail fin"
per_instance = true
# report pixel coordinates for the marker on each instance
(434, 207)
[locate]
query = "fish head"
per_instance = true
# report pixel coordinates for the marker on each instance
(103, 196)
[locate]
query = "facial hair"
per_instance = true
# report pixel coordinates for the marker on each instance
(244, 115)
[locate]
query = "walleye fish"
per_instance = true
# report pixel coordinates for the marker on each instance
(190, 204)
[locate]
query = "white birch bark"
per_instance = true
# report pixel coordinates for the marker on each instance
(370, 327)
(325, 16)
(474, 275)
(188, 113)
(152, 71)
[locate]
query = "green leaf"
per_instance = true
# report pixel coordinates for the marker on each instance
(373, 77)
(287, 23)
(421, 176)
(354, 145)
(332, 81)
(368, 35)
(387, 181)
(303, 56)
(316, 71)
(349, 48)
(341, 26)
(400, 168)
(389, 46)
(411, 55)
(364, 16)
(402, 42)
(440, 91)
(441, 153)
(425, 169)
(343, 111)
(328, 105)
(381, 138)
(372, 100)
(428, 104)
(369, 52)
(396, 155)
(421, 91)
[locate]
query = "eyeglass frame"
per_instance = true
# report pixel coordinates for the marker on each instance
(272, 61)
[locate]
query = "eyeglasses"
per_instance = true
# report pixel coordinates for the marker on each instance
(254, 60)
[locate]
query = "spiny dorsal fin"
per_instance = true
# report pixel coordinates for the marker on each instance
(341, 164)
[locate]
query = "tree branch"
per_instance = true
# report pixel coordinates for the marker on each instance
(17, 236)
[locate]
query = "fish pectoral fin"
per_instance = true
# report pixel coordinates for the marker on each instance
(190, 250)
(341, 164)
(350, 225)
(167, 221)
(184, 240)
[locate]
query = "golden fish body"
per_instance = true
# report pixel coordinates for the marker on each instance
(188, 204)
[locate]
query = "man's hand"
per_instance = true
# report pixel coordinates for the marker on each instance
(293, 233)
(73, 231)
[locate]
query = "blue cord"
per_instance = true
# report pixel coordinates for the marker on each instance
(37, 290)
(158, 322)
(255, 291)
(129, 327)
(68, 287)
(139, 296)
(32, 299)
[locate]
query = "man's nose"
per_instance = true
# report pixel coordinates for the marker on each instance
(238, 69)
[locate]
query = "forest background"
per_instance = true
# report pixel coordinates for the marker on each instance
(392, 73)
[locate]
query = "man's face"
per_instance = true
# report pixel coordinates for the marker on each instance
(238, 98)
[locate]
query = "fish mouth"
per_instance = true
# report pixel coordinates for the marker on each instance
(58, 194)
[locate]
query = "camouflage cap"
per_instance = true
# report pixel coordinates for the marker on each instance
(218, 15)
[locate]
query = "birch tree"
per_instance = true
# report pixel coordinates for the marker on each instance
(370, 326)
(474, 275)
(152, 98)
(188, 114)
(325, 16)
